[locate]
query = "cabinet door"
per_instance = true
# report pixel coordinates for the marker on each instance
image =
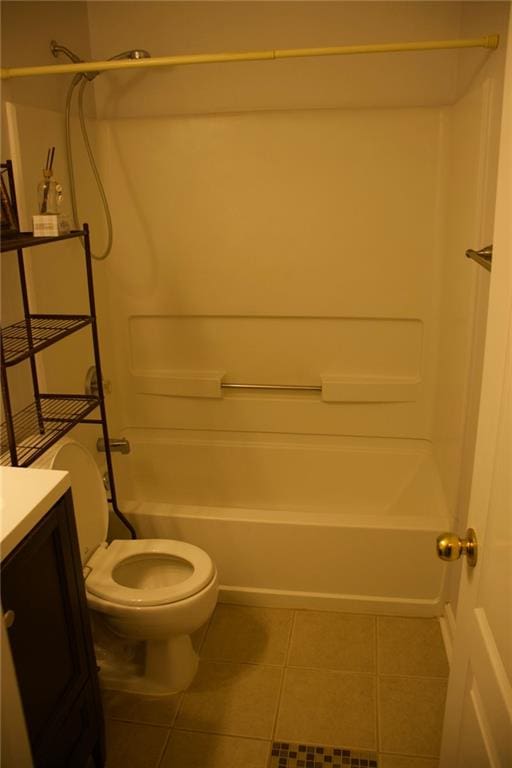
(47, 638)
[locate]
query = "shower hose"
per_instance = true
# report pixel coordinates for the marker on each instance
(74, 205)
(80, 79)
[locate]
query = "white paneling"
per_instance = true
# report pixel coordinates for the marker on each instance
(285, 350)
(278, 248)
(357, 81)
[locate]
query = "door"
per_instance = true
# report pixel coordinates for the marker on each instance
(478, 720)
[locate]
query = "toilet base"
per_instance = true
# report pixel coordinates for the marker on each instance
(171, 663)
(169, 667)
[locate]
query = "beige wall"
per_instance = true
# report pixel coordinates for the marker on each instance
(27, 29)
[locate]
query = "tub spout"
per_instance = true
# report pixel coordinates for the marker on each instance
(116, 444)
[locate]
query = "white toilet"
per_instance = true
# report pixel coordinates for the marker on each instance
(156, 590)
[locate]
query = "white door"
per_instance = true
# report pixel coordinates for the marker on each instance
(478, 721)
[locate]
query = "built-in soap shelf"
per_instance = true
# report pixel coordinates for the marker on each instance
(331, 389)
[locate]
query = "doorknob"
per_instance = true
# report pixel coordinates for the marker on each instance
(9, 617)
(450, 547)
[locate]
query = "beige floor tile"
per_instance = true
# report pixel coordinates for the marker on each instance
(155, 710)
(328, 640)
(409, 646)
(403, 761)
(188, 749)
(324, 707)
(411, 715)
(134, 745)
(243, 633)
(232, 699)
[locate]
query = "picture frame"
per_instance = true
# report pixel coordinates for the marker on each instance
(8, 222)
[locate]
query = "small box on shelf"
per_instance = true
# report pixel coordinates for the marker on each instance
(50, 225)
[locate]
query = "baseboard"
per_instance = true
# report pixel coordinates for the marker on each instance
(447, 622)
(384, 606)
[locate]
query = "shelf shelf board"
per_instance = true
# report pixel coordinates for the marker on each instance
(27, 240)
(45, 331)
(35, 432)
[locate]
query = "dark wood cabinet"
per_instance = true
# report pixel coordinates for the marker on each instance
(51, 643)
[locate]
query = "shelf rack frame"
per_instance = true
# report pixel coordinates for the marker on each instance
(26, 435)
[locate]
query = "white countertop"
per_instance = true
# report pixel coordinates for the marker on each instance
(26, 495)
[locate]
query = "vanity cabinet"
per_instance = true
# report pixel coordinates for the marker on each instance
(45, 611)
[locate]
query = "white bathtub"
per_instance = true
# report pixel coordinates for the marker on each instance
(366, 545)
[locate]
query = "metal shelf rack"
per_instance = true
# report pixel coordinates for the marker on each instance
(28, 433)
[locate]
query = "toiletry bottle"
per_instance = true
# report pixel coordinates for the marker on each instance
(49, 194)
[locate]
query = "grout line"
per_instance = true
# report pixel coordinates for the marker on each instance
(377, 684)
(162, 726)
(283, 675)
(409, 754)
(205, 633)
(184, 729)
(149, 723)
(333, 670)
(290, 638)
(218, 660)
(179, 707)
(278, 705)
(181, 697)
(416, 677)
(164, 748)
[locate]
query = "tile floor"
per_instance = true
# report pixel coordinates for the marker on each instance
(273, 684)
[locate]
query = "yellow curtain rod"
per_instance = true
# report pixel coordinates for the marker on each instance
(488, 41)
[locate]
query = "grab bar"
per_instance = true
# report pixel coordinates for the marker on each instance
(282, 387)
(482, 257)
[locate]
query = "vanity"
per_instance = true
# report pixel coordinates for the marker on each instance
(46, 621)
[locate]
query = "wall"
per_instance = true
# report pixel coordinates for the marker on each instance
(33, 120)
(27, 29)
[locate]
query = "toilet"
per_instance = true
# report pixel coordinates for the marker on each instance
(158, 591)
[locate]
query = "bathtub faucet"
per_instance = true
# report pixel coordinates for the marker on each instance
(116, 444)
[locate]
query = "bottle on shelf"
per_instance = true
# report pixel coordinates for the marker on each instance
(49, 194)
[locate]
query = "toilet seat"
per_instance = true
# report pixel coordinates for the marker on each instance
(187, 571)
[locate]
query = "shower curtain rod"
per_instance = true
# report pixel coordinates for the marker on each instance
(488, 41)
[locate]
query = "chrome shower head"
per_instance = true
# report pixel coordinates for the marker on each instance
(56, 49)
(136, 53)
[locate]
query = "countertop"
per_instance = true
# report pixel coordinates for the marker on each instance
(26, 495)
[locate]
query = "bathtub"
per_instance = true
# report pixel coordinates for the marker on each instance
(347, 526)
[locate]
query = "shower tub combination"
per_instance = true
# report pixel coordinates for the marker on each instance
(367, 546)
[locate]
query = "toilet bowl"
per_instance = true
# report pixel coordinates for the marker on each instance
(158, 591)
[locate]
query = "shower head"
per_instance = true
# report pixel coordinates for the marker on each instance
(137, 53)
(57, 49)
(134, 54)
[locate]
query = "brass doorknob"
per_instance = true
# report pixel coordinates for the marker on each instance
(451, 547)
(9, 617)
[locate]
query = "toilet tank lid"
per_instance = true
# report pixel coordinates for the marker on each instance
(89, 495)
